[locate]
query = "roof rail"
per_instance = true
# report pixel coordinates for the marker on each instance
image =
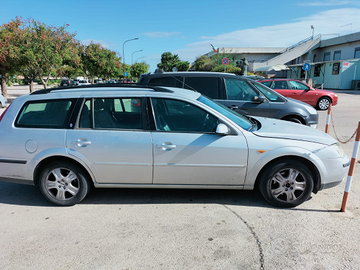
(104, 85)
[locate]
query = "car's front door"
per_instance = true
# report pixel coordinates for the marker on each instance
(187, 151)
(111, 140)
(240, 95)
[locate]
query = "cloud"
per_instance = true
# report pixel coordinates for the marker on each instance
(105, 44)
(161, 34)
(326, 3)
(328, 23)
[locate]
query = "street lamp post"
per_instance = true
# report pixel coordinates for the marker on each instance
(139, 58)
(124, 53)
(133, 54)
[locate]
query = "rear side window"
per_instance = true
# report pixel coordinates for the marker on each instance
(175, 81)
(45, 114)
(208, 86)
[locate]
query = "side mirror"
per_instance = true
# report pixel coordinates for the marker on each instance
(222, 129)
(257, 99)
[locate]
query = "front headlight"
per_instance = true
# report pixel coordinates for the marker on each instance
(339, 149)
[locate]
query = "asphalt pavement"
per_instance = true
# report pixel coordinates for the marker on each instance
(186, 229)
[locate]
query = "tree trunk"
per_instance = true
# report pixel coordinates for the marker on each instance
(3, 85)
(31, 86)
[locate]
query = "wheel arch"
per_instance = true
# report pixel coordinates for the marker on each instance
(49, 160)
(314, 171)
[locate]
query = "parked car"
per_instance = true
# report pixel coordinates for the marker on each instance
(98, 81)
(2, 101)
(318, 98)
(239, 93)
(111, 81)
(84, 82)
(75, 82)
(65, 82)
(64, 142)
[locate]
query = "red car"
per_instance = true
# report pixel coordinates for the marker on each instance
(318, 98)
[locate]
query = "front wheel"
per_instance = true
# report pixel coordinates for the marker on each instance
(286, 184)
(323, 103)
(63, 183)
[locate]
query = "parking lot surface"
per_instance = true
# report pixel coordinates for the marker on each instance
(185, 229)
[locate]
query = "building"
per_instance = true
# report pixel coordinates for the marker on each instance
(334, 62)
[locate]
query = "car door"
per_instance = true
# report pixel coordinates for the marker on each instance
(187, 151)
(303, 92)
(112, 140)
(240, 95)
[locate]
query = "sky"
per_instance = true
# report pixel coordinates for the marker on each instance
(188, 27)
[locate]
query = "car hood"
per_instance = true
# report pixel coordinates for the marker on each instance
(281, 129)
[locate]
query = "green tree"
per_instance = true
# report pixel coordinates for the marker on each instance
(45, 48)
(168, 61)
(97, 61)
(11, 34)
(139, 68)
(182, 65)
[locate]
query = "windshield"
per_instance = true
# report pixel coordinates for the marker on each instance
(240, 120)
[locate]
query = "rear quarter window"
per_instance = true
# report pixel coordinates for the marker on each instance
(45, 114)
(208, 86)
(166, 81)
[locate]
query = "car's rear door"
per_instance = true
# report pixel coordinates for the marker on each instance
(111, 138)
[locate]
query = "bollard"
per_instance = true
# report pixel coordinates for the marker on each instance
(328, 120)
(351, 170)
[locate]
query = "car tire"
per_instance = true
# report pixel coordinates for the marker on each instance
(293, 119)
(63, 183)
(286, 183)
(323, 103)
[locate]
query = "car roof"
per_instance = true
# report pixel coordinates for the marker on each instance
(193, 74)
(108, 89)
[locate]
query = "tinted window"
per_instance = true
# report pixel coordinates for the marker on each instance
(267, 83)
(179, 116)
(112, 113)
(239, 90)
(45, 114)
(208, 86)
(167, 81)
(280, 85)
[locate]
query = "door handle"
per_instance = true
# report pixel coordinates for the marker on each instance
(82, 142)
(234, 107)
(166, 146)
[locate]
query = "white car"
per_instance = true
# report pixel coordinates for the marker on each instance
(114, 135)
(2, 101)
(83, 82)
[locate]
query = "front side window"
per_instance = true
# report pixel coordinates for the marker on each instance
(298, 85)
(45, 114)
(239, 90)
(268, 93)
(112, 113)
(178, 116)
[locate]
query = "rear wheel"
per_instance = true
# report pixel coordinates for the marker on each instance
(286, 183)
(63, 183)
(323, 103)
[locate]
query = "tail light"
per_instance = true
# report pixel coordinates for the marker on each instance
(2, 115)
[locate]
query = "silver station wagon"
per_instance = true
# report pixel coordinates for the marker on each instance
(113, 135)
